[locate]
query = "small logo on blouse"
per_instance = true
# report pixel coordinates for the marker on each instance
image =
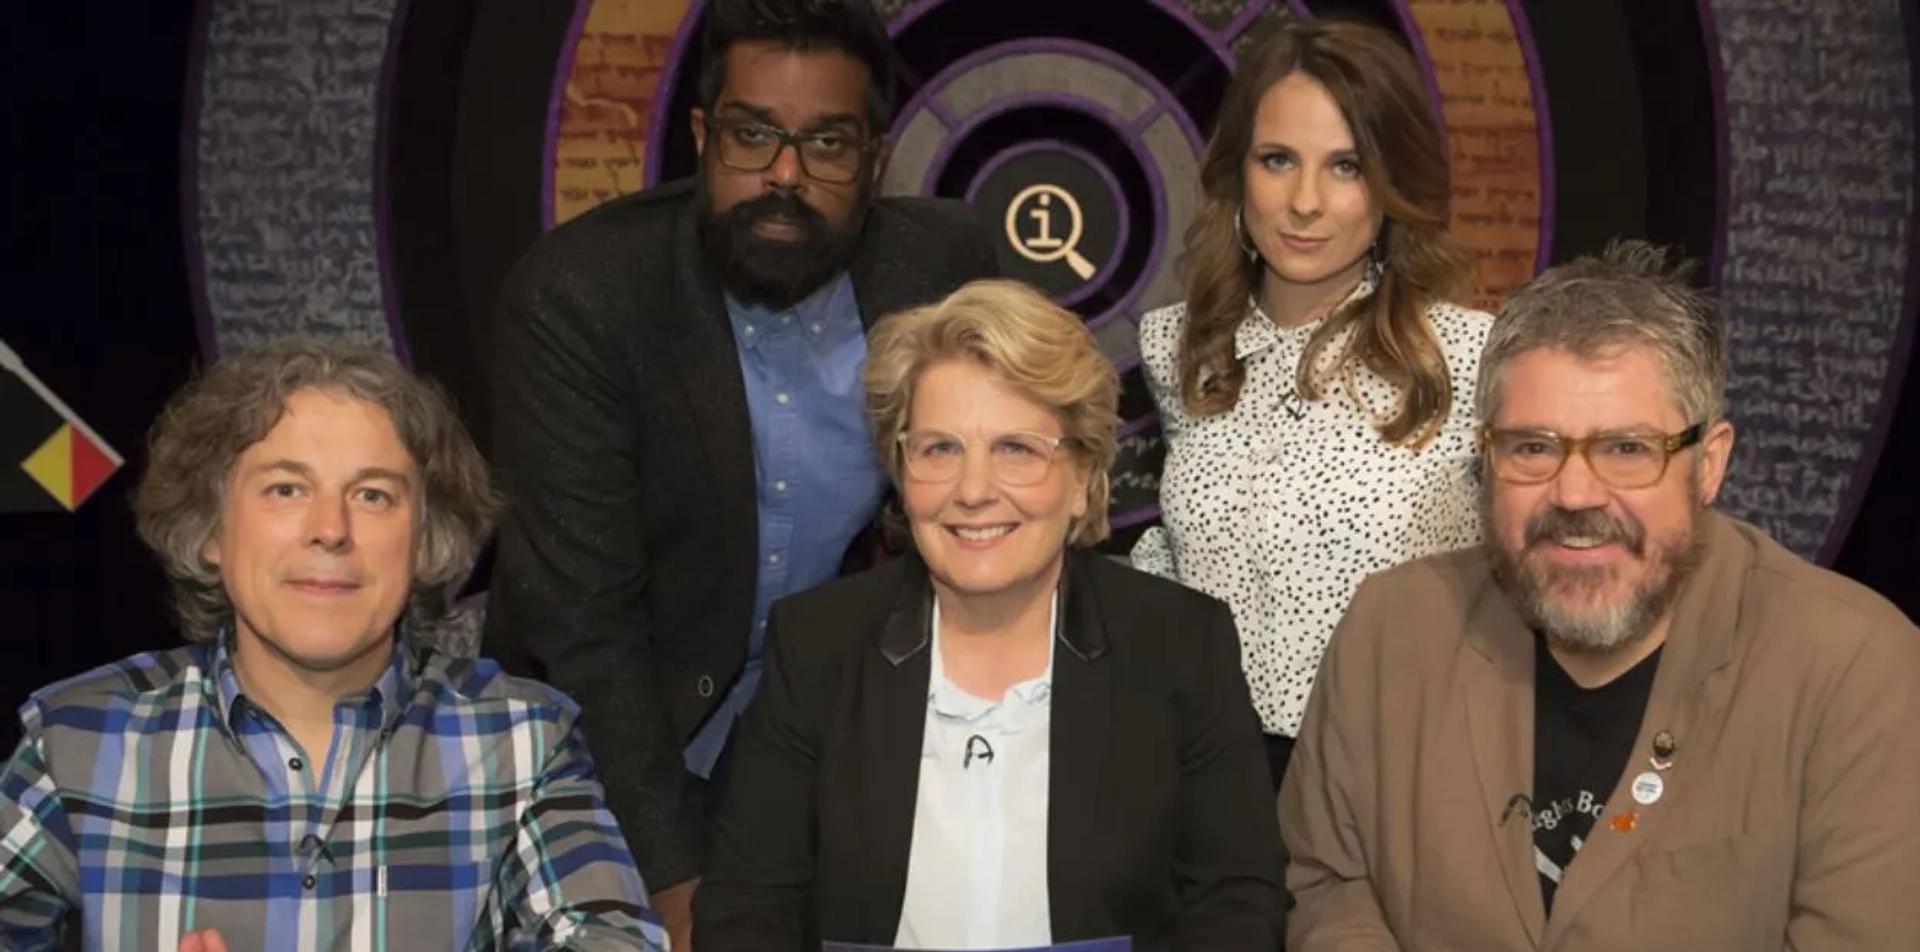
(977, 746)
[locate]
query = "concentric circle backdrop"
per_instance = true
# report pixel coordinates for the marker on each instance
(374, 172)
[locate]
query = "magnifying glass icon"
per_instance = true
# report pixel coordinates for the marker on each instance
(1038, 203)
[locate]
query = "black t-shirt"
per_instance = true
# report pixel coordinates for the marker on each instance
(1582, 740)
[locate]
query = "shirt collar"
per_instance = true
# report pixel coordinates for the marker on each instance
(822, 308)
(389, 694)
(906, 631)
(947, 698)
(1258, 333)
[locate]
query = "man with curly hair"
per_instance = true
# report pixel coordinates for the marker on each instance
(308, 772)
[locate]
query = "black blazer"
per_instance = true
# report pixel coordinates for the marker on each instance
(627, 557)
(1161, 820)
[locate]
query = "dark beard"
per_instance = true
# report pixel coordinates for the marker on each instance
(769, 272)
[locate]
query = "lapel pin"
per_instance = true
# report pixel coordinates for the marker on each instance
(1647, 788)
(1625, 822)
(1663, 747)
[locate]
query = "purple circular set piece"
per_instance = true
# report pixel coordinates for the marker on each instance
(1818, 339)
(1162, 104)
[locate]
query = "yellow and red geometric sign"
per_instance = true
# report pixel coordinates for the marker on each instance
(50, 460)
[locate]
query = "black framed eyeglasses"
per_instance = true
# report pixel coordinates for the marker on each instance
(1621, 460)
(832, 157)
(1014, 459)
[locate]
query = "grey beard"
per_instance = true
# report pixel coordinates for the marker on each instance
(1595, 631)
(1610, 628)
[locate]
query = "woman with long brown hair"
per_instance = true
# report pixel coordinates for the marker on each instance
(1316, 388)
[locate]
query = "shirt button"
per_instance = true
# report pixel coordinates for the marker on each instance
(786, 318)
(779, 485)
(773, 559)
(308, 880)
(705, 686)
(749, 330)
(816, 328)
(780, 398)
(293, 763)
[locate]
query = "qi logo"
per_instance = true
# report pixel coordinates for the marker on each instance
(1041, 206)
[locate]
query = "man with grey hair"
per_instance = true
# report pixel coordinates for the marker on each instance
(1627, 721)
(308, 773)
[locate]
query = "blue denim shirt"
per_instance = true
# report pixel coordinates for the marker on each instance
(819, 479)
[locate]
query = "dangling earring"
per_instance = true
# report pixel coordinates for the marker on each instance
(1240, 233)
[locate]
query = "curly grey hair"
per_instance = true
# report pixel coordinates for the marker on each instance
(211, 421)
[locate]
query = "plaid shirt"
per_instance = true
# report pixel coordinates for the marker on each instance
(457, 809)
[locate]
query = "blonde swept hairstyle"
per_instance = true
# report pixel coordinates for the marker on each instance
(211, 421)
(1036, 347)
(1403, 161)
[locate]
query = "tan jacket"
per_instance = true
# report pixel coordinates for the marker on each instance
(1790, 817)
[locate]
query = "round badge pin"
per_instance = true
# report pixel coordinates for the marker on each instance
(1663, 745)
(1647, 788)
(1663, 748)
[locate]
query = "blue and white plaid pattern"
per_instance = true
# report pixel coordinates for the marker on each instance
(458, 809)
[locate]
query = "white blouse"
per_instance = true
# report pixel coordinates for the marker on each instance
(977, 869)
(1281, 506)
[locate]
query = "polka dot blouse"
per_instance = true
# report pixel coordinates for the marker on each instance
(1281, 506)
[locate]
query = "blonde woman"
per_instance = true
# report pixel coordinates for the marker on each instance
(1003, 739)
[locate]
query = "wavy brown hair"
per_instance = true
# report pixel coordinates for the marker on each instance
(234, 404)
(1404, 163)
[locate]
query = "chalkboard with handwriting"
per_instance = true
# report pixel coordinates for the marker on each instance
(283, 171)
(1818, 106)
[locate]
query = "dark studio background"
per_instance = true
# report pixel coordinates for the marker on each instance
(95, 284)
(95, 279)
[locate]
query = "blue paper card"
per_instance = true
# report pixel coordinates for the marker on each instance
(1120, 944)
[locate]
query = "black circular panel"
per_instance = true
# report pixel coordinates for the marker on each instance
(1057, 219)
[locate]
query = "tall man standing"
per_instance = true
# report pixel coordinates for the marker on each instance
(681, 430)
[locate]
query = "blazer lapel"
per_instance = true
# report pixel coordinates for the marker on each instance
(899, 676)
(1498, 682)
(1687, 702)
(709, 369)
(1078, 744)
